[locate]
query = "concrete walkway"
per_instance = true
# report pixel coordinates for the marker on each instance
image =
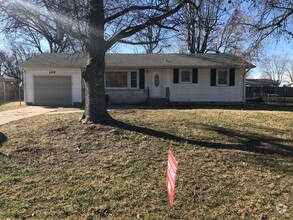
(26, 112)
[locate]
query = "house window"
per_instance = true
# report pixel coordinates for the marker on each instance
(185, 76)
(116, 79)
(133, 79)
(222, 77)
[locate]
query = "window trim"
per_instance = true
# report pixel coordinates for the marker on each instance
(190, 76)
(128, 71)
(217, 77)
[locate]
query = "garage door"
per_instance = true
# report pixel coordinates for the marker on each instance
(53, 90)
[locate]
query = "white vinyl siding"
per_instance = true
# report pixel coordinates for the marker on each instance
(75, 80)
(181, 92)
(203, 92)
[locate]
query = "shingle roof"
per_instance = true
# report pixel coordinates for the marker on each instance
(63, 60)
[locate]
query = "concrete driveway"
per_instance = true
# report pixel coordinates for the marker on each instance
(17, 114)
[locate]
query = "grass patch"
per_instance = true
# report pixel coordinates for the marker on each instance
(233, 164)
(4, 106)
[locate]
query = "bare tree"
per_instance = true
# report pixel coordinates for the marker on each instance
(41, 24)
(9, 60)
(109, 24)
(289, 72)
(106, 23)
(8, 67)
(274, 68)
(235, 26)
(232, 35)
(199, 19)
(270, 18)
(154, 39)
(214, 26)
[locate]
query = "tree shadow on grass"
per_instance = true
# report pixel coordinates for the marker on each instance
(245, 142)
(248, 106)
(3, 138)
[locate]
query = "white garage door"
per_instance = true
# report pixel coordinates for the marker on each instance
(53, 90)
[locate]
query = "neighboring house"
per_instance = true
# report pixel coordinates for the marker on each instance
(261, 83)
(55, 79)
(258, 88)
(8, 90)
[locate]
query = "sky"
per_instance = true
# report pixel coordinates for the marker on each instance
(283, 47)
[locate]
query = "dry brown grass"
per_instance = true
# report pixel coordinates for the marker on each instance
(233, 164)
(4, 106)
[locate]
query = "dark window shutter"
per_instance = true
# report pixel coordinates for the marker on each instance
(194, 75)
(232, 77)
(176, 76)
(141, 78)
(213, 77)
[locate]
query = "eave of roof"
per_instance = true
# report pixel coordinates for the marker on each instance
(114, 61)
(8, 79)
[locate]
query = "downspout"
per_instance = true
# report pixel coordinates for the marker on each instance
(24, 86)
(244, 86)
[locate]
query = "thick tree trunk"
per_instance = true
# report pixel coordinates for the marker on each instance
(95, 105)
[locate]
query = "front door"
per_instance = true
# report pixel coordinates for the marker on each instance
(155, 90)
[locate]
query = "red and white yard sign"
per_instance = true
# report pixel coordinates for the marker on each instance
(171, 176)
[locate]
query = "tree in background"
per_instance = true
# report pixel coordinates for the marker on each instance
(153, 39)
(289, 72)
(198, 20)
(9, 60)
(215, 26)
(45, 25)
(273, 17)
(235, 26)
(8, 67)
(274, 68)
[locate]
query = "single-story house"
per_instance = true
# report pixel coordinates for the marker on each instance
(55, 79)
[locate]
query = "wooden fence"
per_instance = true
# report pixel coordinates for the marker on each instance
(8, 91)
(253, 92)
(270, 95)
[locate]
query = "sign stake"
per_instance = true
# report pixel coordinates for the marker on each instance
(172, 167)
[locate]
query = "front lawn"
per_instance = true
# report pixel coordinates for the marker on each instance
(233, 164)
(4, 106)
